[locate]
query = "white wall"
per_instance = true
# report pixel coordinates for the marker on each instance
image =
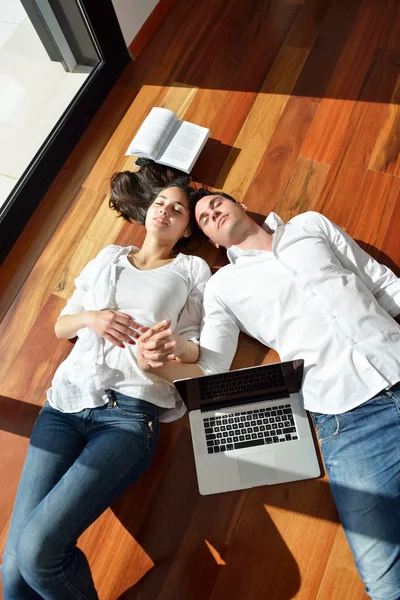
(131, 15)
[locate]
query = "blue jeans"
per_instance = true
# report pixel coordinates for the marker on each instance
(77, 465)
(361, 450)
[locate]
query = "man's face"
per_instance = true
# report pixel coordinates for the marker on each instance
(219, 218)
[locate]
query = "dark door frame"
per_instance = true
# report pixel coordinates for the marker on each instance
(41, 172)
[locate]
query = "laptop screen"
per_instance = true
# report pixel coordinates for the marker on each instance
(243, 385)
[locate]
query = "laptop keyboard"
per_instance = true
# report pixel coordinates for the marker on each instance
(235, 382)
(250, 428)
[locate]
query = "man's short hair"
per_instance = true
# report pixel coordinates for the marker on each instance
(202, 193)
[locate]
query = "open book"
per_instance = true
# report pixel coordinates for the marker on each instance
(169, 141)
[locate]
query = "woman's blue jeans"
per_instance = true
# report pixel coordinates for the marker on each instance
(77, 465)
(361, 450)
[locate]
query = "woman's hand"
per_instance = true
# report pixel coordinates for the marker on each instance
(155, 346)
(115, 326)
(158, 346)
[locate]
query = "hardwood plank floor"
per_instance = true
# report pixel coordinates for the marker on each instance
(301, 97)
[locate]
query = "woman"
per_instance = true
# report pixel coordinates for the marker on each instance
(98, 430)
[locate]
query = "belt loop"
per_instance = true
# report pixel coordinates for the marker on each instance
(110, 398)
(393, 389)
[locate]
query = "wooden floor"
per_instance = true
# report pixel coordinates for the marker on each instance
(302, 102)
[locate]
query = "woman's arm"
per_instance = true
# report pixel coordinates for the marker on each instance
(67, 326)
(114, 326)
(107, 323)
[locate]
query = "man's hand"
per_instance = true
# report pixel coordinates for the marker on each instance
(162, 350)
(115, 326)
(158, 345)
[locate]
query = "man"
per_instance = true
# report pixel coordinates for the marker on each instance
(309, 291)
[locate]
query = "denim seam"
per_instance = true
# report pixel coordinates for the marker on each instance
(335, 433)
(62, 577)
(396, 401)
(79, 595)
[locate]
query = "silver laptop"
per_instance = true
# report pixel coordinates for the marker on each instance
(249, 428)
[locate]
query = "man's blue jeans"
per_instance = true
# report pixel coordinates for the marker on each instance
(77, 465)
(361, 450)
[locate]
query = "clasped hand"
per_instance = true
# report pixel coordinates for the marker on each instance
(158, 345)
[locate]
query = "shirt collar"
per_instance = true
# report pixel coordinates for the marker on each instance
(272, 222)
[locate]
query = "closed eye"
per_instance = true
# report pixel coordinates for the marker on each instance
(175, 209)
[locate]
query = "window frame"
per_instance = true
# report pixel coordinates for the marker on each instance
(41, 172)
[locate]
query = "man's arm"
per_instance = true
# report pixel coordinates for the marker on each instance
(380, 280)
(218, 343)
(218, 335)
(174, 370)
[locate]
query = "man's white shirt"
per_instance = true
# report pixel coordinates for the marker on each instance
(318, 296)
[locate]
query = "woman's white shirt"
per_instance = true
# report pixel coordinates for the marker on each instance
(173, 291)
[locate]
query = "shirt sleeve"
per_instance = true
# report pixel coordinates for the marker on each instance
(189, 321)
(380, 280)
(219, 335)
(77, 304)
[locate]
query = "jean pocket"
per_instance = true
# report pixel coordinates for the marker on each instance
(328, 426)
(132, 411)
(145, 424)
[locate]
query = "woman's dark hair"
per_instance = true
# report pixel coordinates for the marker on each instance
(133, 192)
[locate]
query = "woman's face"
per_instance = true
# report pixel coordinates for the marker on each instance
(168, 216)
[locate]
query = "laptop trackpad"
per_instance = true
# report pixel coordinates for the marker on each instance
(259, 466)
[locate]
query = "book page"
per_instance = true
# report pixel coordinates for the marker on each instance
(185, 146)
(153, 133)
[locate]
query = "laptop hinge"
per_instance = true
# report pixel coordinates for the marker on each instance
(265, 397)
